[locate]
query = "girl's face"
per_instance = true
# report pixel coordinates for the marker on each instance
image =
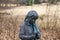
(32, 20)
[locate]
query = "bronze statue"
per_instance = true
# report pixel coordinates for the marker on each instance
(29, 30)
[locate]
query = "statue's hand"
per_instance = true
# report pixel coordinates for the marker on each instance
(38, 35)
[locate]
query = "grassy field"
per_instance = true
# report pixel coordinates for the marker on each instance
(9, 28)
(48, 22)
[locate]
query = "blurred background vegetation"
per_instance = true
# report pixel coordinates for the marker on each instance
(48, 23)
(28, 2)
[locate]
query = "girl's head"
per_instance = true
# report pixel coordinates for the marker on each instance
(31, 16)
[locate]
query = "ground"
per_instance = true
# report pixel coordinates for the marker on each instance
(41, 9)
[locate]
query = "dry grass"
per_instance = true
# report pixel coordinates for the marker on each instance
(9, 28)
